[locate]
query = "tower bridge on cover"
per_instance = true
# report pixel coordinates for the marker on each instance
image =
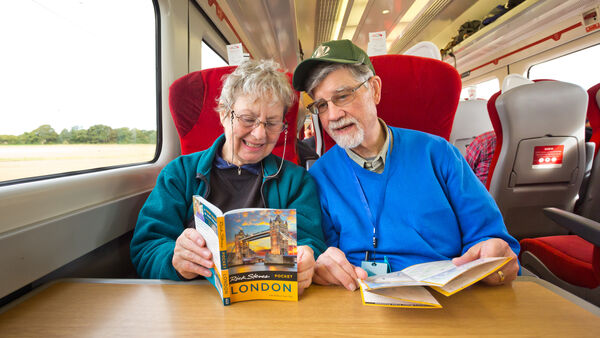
(280, 240)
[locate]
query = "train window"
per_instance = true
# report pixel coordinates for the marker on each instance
(78, 86)
(482, 90)
(579, 68)
(210, 58)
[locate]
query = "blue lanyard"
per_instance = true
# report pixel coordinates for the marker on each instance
(363, 198)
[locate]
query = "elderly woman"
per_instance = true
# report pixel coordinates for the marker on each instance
(238, 171)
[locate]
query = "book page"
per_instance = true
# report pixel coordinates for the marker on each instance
(206, 225)
(442, 272)
(237, 211)
(426, 271)
(475, 273)
(211, 207)
(212, 241)
(388, 280)
(448, 275)
(406, 296)
(261, 254)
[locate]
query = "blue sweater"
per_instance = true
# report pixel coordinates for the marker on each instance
(427, 205)
(169, 208)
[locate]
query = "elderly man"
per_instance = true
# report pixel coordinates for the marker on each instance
(390, 197)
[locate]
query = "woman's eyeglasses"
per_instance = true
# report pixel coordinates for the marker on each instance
(340, 99)
(251, 122)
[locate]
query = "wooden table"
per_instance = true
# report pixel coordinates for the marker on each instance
(527, 307)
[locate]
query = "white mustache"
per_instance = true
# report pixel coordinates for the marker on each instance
(344, 121)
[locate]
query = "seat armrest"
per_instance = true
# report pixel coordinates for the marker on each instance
(590, 148)
(581, 226)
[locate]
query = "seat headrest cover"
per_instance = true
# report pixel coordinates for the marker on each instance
(514, 80)
(471, 120)
(425, 49)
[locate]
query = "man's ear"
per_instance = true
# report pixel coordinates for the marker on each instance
(376, 84)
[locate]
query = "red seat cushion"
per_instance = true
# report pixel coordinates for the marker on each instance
(193, 101)
(570, 258)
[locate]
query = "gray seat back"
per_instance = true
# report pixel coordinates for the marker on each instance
(471, 120)
(542, 157)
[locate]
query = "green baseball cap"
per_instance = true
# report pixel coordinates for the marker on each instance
(335, 51)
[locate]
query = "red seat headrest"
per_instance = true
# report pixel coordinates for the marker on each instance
(417, 93)
(193, 101)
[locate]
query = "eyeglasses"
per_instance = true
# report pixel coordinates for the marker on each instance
(251, 122)
(340, 99)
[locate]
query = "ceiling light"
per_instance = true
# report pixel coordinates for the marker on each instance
(385, 11)
(408, 17)
(339, 19)
(356, 12)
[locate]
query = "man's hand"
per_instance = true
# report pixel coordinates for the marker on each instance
(191, 257)
(306, 267)
(333, 268)
(494, 247)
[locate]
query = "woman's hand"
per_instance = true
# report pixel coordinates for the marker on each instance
(191, 257)
(306, 267)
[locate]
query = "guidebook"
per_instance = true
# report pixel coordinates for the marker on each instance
(405, 288)
(254, 251)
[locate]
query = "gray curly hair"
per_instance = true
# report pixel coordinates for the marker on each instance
(260, 79)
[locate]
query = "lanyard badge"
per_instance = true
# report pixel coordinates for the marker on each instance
(376, 268)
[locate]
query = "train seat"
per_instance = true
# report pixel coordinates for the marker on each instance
(471, 120)
(193, 100)
(571, 262)
(417, 93)
(478, 151)
(539, 160)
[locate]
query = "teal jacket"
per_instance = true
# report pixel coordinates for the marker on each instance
(169, 209)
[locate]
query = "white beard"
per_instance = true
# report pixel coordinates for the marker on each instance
(348, 140)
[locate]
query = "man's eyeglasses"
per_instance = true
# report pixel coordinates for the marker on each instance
(340, 99)
(251, 122)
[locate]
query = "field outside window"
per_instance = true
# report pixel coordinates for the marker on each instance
(78, 85)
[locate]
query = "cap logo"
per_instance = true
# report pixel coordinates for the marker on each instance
(321, 51)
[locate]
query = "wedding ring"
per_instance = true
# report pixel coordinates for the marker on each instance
(501, 274)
